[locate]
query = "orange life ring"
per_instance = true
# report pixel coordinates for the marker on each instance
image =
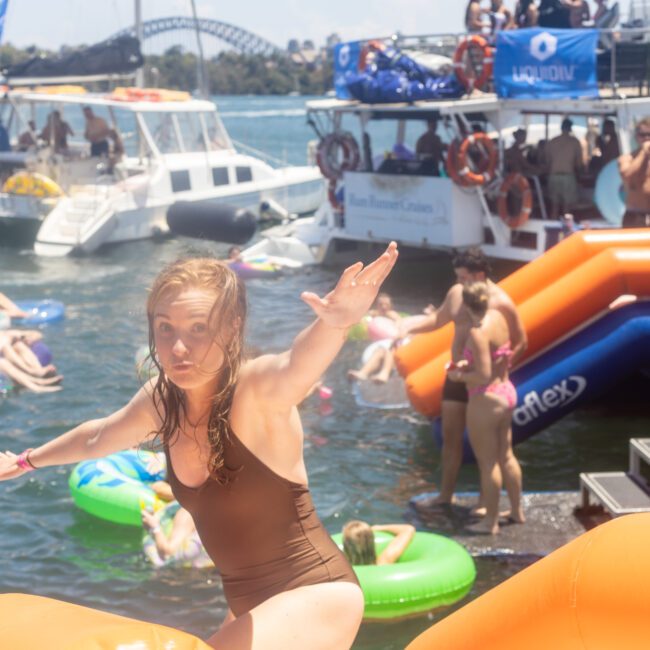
(452, 164)
(368, 48)
(519, 182)
(337, 206)
(479, 42)
(486, 172)
(327, 155)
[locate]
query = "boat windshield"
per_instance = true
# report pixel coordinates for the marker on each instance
(63, 127)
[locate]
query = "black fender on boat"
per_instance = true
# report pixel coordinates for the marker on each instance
(213, 221)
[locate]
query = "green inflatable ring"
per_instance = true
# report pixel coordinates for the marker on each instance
(115, 488)
(433, 571)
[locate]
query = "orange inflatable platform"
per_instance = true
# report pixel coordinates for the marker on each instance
(592, 594)
(37, 623)
(563, 289)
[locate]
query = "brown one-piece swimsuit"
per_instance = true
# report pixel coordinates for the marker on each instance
(260, 530)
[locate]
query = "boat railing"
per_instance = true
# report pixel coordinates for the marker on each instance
(622, 55)
(246, 148)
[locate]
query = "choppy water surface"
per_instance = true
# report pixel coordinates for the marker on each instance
(361, 464)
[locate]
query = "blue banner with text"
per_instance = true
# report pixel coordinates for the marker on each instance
(346, 59)
(546, 63)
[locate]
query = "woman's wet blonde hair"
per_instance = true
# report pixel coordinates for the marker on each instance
(476, 297)
(227, 321)
(359, 543)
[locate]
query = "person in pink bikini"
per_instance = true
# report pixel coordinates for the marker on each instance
(492, 399)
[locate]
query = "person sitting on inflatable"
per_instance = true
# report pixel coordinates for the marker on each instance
(11, 308)
(378, 366)
(384, 307)
(20, 362)
(359, 542)
(183, 528)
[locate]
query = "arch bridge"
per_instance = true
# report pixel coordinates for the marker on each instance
(239, 38)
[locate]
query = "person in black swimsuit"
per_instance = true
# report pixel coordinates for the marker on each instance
(234, 447)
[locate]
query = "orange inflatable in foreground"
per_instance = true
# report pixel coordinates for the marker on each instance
(37, 623)
(592, 594)
(549, 312)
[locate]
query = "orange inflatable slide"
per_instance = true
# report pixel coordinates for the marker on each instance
(37, 623)
(562, 290)
(592, 594)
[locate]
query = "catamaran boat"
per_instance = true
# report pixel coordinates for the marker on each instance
(380, 190)
(169, 149)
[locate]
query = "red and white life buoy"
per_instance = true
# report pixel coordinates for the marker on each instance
(460, 67)
(336, 153)
(520, 183)
(485, 172)
(337, 206)
(452, 164)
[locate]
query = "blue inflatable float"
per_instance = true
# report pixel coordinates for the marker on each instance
(578, 370)
(40, 312)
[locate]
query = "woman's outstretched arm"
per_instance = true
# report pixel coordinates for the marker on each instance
(125, 428)
(403, 536)
(286, 378)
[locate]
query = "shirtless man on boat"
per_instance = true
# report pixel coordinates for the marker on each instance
(469, 266)
(635, 172)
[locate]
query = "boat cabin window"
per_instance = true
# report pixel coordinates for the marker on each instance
(220, 176)
(180, 180)
(244, 174)
(191, 131)
(163, 132)
(217, 136)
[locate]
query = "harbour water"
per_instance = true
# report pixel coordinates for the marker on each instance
(361, 464)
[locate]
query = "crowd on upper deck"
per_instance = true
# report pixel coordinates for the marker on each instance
(563, 14)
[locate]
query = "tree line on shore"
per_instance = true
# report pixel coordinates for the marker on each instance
(229, 73)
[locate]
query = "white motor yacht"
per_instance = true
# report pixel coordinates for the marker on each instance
(382, 190)
(167, 148)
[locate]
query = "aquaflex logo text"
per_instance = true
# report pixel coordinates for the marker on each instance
(558, 396)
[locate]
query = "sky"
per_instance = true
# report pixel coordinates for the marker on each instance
(49, 24)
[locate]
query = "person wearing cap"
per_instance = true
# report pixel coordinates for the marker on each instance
(565, 162)
(635, 172)
(97, 133)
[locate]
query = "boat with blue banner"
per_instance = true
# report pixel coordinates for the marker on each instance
(441, 142)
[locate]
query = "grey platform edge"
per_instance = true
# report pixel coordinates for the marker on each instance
(621, 493)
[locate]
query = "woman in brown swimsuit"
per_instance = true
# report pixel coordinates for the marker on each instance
(234, 445)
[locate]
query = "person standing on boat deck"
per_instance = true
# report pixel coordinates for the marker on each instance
(469, 266)
(500, 17)
(27, 139)
(429, 147)
(56, 132)
(514, 160)
(579, 14)
(234, 446)
(526, 14)
(97, 133)
(635, 172)
(474, 17)
(556, 13)
(564, 158)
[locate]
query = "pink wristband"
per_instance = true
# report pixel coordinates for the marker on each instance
(23, 461)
